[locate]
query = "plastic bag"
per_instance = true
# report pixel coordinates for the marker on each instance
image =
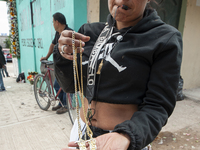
(21, 78)
(180, 95)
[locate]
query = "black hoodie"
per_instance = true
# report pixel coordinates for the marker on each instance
(149, 57)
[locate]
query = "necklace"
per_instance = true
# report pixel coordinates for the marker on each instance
(81, 142)
(103, 38)
(92, 63)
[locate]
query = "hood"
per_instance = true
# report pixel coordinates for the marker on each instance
(149, 21)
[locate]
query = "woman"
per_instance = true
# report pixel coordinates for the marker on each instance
(134, 92)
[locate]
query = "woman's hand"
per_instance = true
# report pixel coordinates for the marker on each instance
(65, 43)
(110, 141)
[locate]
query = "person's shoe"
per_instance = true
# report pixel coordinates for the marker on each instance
(56, 108)
(1, 90)
(62, 110)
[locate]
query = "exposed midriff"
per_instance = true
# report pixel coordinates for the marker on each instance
(107, 115)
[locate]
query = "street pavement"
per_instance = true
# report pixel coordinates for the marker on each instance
(24, 126)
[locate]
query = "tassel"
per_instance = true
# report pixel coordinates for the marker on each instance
(100, 67)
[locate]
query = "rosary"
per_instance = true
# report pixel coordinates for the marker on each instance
(81, 142)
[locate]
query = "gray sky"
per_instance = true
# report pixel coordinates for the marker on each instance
(4, 26)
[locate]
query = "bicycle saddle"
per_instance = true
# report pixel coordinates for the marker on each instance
(47, 62)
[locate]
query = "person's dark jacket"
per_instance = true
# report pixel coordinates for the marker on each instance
(152, 54)
(2, 58)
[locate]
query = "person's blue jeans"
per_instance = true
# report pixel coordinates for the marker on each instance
(1, 81)
(62, 95)
(5, 70)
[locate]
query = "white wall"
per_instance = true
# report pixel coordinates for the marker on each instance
(190, 70)
(93, 10)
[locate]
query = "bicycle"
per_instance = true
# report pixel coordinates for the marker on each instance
(45, 95)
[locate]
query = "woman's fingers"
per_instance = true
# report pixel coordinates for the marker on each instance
(66, 38)
(65, 43)
(67, 51)
(111, 141)
(68, 56)
(79, 36)
(74, 144)
(68, 41)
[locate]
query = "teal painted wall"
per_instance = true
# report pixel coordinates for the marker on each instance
(80, 14)
(25, 35)
(35, 39)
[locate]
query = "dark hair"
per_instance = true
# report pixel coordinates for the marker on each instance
(0, 47)
(59, 17)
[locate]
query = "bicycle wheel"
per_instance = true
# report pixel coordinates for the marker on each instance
(42, 91)
(71, 105)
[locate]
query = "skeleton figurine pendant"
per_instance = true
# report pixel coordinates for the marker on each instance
(92, 143)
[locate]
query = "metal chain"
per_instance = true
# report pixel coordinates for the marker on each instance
(75, 82)
(81, 142)
(89, 131)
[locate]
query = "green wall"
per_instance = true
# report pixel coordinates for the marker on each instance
(80, 14)
(36, 38)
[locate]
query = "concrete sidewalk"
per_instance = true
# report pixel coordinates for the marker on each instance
(193, 94)
(24, 126)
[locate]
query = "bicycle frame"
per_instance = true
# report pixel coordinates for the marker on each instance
(49, 75)
(70, 101)
(45, 95)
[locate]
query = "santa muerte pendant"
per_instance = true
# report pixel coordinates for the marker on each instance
(81, 145)
(92, 143)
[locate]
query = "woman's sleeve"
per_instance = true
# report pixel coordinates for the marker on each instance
(63, 69)
(160, 99)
